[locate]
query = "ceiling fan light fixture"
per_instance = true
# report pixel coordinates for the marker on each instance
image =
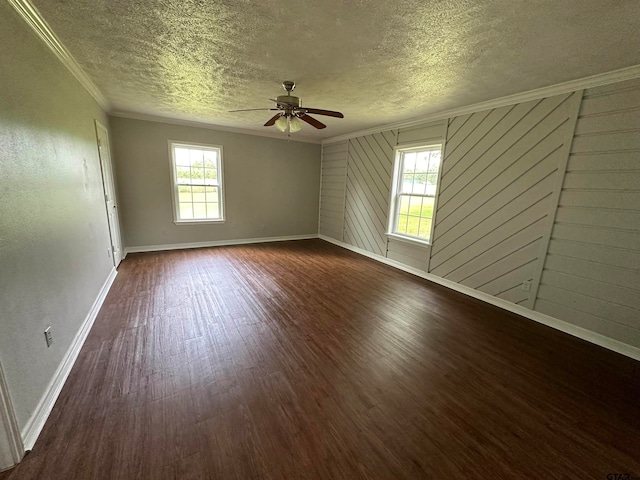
(281, 123)
(295, 124)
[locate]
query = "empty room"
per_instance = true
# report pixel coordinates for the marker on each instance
(317, 240)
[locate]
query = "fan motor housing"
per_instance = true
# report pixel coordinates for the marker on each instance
(288, 100)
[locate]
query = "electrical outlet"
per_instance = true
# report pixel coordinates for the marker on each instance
(109, 252)
(48, 336)
(526, 285)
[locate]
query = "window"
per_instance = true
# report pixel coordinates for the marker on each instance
(414, 192)
(197, 183)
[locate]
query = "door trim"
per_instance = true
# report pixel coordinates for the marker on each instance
(11, 446)
(117, 242)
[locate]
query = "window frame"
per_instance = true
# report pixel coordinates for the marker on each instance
(394, 203)
(175, 185)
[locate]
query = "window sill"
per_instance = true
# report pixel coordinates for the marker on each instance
(410, 241)
(198, 222)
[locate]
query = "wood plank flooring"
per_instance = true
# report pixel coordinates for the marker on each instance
(301, 360)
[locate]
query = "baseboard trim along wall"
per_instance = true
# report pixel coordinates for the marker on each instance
(35, 424)
(587, 335)
(215, 243)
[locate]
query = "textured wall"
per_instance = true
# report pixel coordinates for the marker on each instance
(591, 275)
(271, 185)
(53, 228)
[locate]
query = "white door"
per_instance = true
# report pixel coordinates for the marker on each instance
(109, 192)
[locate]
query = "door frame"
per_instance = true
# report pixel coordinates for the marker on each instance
(11, 445)
(108, 183)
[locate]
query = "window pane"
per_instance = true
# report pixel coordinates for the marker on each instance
(200, 210)
(196, 157)
(186, 211)
(210, 159)
(408, 162)
(212, 194)
(412, 226)
(415, 205)
(425, 228)
(402, 224)
(184, 194)
(182, 156)
(184, 174)
(210, 176)
(427, 207)
(422, 161)
(199, 194)
(404, 204)
(213, 210)
(407, 183)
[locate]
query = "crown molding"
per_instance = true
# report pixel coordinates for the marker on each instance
(192, 123)
(558, 89)
(32, 18)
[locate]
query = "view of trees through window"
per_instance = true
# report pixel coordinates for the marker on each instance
(416, 191)
(198, 189)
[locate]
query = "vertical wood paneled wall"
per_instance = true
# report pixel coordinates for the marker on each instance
(545, 192)
(591, 274)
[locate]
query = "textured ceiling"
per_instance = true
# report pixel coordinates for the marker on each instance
(377, 61)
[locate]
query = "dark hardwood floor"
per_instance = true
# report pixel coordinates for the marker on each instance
(301, 360)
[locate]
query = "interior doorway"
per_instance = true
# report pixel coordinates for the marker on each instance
(108, 183)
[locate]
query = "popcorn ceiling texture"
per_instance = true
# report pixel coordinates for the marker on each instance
(377, 61)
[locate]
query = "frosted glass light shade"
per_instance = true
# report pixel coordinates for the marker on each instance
(295, 124)
(281, 123)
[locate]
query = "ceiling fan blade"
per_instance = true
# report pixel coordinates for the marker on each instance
(312, 121)
(252, 109)
(328, 113)
(272, 120)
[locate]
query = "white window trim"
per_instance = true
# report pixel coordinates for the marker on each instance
(174, 184)
(395, 186)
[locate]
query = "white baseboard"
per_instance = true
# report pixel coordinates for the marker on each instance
(35, 424)
(215, 243)
(588, 335)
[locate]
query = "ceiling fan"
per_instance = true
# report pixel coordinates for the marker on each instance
(291, 114)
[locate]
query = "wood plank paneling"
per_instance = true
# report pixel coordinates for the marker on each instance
(332, 189)
(591, 275)
(423, 134)
(495, 195)
(416, 256)
(369, 172)
(607, 255)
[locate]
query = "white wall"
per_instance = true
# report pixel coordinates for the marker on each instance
(53, 226)
(271, 185)
(521, 199)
